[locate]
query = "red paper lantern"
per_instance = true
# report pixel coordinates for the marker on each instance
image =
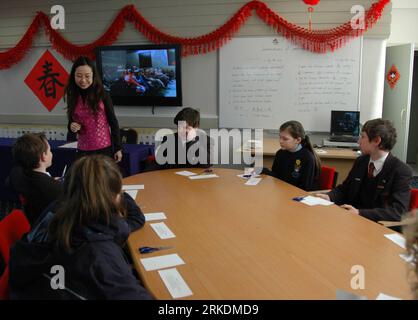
(311, 2)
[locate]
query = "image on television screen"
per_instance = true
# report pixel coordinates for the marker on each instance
(345, 123)
(142, 76)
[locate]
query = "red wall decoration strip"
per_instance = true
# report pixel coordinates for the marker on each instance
(319, 41)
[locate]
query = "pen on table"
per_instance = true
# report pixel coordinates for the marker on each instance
(298, 198)
(144, 250)
(63, 171)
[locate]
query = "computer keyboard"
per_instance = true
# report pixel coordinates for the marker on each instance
(343, 138)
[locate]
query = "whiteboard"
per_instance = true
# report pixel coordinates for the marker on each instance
(265, 81)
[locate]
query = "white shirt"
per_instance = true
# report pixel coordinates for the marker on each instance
(378, 164)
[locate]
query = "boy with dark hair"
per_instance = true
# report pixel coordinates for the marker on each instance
(378, 185)
(32, 156)
(189, 146)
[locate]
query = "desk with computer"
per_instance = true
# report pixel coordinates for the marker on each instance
(345, 130)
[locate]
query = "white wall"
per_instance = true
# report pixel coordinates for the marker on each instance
(404, 28)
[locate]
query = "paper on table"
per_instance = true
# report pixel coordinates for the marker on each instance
(175, 283)
(203, 176)
(320, 151)
(344, 295)
(185, 173)
(408, 258)
(162, 230)
(161, 262)
(397, 238)
(155, 216)
(132, 193)
(383, 296)
(71, 145)
(312, 201)
(253, 181)
(133, 187)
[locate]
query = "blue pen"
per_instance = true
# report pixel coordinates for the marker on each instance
(144, 250)
(298, 198)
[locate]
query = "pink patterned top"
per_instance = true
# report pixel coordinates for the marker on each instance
(94, 133)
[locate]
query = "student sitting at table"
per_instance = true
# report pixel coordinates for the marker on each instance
(32, 156)
(378, 185)
(83, 233)
(188, 147)
(296, 162)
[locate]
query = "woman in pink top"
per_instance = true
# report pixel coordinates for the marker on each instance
(90, 112)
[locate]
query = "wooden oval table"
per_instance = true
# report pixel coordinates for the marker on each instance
(255, 242)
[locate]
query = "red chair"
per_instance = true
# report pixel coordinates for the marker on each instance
(413, 204)
(328, 178)
(12, 228)
(410, 218)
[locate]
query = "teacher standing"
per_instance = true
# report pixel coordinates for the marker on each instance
(90, 112)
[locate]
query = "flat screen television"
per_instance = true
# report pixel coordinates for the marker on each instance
(141, 75)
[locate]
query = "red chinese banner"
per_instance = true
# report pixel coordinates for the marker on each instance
(47, 80)
(319, 41)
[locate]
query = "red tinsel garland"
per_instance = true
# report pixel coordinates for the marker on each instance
(319, 41)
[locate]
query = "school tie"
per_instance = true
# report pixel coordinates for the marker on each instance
(371, 170)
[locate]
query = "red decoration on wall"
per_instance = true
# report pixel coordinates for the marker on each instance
(47, 80)
(393, 76)
(319, 41)
(311, 2)
(310, 10)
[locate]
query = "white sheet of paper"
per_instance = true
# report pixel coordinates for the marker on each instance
(133, 187)
(132, 193)
(407, 258)
(253, 181)
(185, 173)
(383, 296)
(313, 201)
(204, 176)
(320, 151)
(71, 145)
(155, 216)
(175, 283)
(162, 230)
(397, 238)
(161, 262)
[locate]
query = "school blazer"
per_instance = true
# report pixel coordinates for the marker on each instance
(392, 195)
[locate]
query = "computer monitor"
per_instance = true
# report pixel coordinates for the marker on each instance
(345, 123)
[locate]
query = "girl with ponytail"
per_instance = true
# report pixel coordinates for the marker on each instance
(296, 162)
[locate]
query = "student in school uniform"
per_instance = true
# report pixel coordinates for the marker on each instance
(30, 178)
(84, 233)
(378, 185)
(296, 162)
(90, 112)
(189, 147)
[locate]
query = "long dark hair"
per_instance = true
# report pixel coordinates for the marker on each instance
(90, 196)
(95, 93)
(296, 130)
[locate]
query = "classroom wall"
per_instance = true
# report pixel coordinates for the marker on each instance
(86, 20)
(404, 22)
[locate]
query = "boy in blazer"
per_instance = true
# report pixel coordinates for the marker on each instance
(378, 185)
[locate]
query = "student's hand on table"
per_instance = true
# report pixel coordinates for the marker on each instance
(322, 196)
(350, 208)
(118, 156)
(75, 127)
